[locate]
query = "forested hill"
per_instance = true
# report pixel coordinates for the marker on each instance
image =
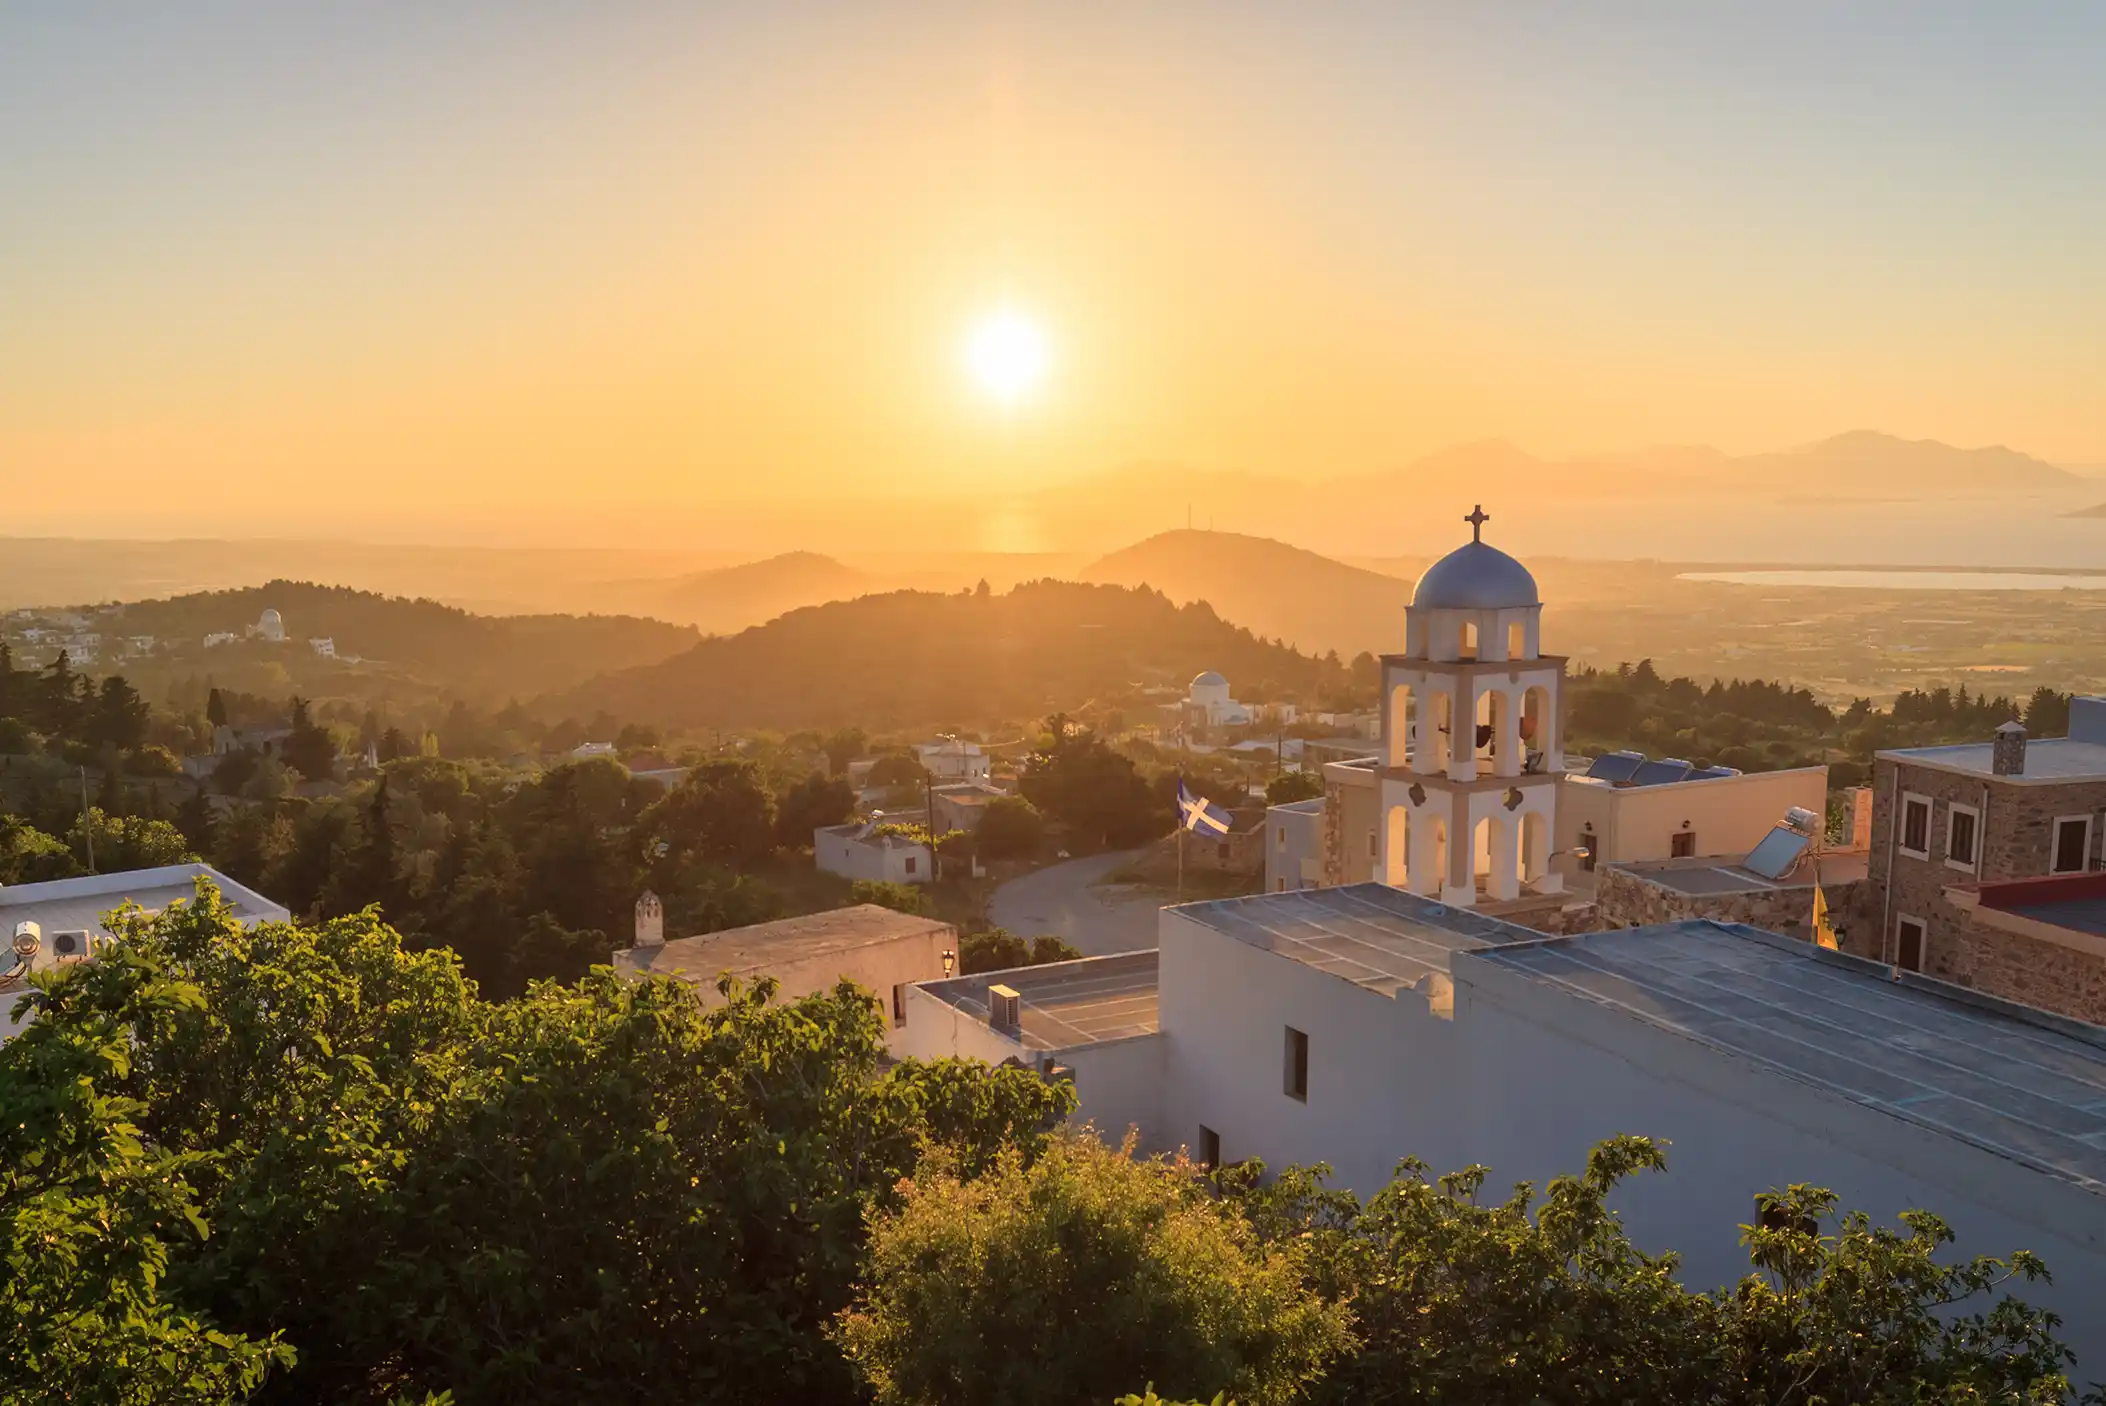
(916, 659)
(475, 655)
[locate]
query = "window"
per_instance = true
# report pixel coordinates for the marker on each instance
(2072, 845)
(910, 864)
(899, 1004)
(1283, 837)
(1371, 842)
(1209, 1147)
(1682, 845)
(1280, 886)
(1592, 847)
(1221, 851)
(1296, 1080)
(1915, 826)
(1960, 826)
(1908, 954)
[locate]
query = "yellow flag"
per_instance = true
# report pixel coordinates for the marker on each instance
(1823, 926)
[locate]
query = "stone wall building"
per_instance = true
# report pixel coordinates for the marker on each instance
(1952, 822)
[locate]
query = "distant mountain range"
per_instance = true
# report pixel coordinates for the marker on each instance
(918, 659)
(1312, 602)
(733, 597)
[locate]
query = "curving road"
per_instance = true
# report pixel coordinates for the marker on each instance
(1064, 900)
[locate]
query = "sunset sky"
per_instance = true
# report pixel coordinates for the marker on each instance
(562, 269)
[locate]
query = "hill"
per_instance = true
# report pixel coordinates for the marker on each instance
(476, 657)
(733, 597)
(1312, 602)
(1867, 461)
(917, 659)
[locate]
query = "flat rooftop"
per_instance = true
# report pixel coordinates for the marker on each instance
(743, 951)
(1309, 807)
(2047, 759)
(78, 905)
(2025, 1085)
(1370, 934)
(1700, 878)
(2073, 901)
(1065, 1004)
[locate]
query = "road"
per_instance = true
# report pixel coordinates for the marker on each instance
(1063, 900)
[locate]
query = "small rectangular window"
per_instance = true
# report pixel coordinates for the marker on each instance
(1283, 837)
(1221, 851)
(1297, 1065)
(910, 864)
(1915, 826)
(1371, 850)
(2072, 845)
(1959, 837)
(1908, 954)
(1209, 1147)
(1683, 845)
(899, 1004)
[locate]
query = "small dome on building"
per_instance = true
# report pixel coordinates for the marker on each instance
(1210, 679)
(1475, 577)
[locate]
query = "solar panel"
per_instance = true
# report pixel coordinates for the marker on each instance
(1616, 766)
(1778, 852)
(1661, 772)
(1712, 773)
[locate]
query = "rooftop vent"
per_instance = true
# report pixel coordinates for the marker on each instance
(1004, 1009)
(2007, 754)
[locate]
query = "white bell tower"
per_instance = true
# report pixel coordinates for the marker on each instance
(1473, 734)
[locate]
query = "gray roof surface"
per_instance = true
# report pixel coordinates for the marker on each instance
(1065, 1004)
(760, 945)
(78, 904)
(1475, 576)
(2080, 914)
(2047, 758)
(2026, 1087)
(1370, 934)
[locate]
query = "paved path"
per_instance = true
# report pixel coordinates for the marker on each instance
(1064, 900)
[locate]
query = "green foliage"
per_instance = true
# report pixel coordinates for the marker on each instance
(1080, 782)
(900, 898)
(128, 841)
(998, 949)
(310, 750)
(896, 769)
(812, 803)
(1291, 786)
(90, 1213)
(29, 856)
(601, 1192)
(721, 811)
(1069, 1278)
(1012, 828)
(153, 760)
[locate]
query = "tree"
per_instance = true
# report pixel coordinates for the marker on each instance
(598, 1192)
(1291, 786)
(897, 769)
(720, 811)
(2047, 713)
(215, 709)
(119, 716)
(1082, 783)
(900, 898)
(309, 750)
(812, 803)
(998, 949)
(1075, 1276)
(128, 841)
(842, 746)
(29, 856)
(1012, 828)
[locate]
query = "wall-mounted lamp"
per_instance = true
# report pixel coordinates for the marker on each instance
(950, 959)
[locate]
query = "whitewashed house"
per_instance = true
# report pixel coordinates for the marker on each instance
(858, 850)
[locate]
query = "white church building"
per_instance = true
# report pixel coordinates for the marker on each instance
(1471, 752)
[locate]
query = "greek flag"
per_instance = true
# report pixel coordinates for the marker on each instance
(1200, 813)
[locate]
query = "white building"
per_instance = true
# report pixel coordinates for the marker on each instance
(1094, 1018)
(1473, 749)
(270, 627)
(220, 637)
(1208, 703)
(1294, 846)
(857, 851)
(880, 950)
(56, 923)
(585, 751)
(324, 648)
(1630, 808)
(954, 759)
(1360, 1025)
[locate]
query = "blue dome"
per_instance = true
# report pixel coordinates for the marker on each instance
(1475, 577)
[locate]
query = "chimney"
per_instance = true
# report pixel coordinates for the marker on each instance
(1861, 818)
(650, 921)
(1004, 1009)
(2008, 752)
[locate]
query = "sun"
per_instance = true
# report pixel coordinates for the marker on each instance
(1006, 352)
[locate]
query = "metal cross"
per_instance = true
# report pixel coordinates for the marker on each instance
(1477, 518)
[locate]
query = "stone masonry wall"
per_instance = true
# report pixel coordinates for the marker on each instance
(1623, 899)
(2034, 971)
(2016, 833)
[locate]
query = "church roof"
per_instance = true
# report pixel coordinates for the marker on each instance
(1209, 679)
(1475, 577)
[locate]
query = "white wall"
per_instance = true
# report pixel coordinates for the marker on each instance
(837, 853)
(1294, 847)
(1728, 815)
(1381, 1071)
(1546, 1076)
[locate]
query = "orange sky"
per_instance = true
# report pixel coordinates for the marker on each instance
(584, 271)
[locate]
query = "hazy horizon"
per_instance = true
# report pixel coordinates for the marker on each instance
(661, 275)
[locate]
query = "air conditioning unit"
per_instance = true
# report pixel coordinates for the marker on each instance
(76, 945)
(1004, 1008)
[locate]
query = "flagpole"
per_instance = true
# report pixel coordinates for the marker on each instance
(1181, 828)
